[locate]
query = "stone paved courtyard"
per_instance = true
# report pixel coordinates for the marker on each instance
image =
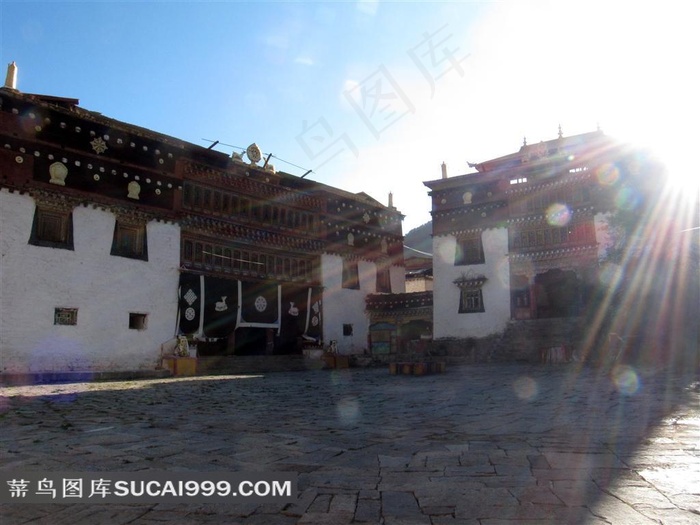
(487, 444)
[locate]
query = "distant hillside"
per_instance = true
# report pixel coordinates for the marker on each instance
(419, 239)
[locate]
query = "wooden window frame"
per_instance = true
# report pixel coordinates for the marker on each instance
(471, 300)
(383, 280)
(130, 240)
(351, 274)
(469, 250)
(52, 228)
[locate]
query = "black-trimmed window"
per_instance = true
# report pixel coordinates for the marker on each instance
(471, 300)
(470, 250)
(52, 228)
(65, 316)
(130, 241)
(383, 280)
(351, 275)
(137, 321)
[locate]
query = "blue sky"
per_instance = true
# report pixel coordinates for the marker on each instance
(372, 96)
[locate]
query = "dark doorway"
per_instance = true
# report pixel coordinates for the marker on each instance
(557, 294)
(251, 341)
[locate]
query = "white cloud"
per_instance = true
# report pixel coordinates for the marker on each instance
(368, 7)
(304, 61)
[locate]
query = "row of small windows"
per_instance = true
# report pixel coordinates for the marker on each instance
(69, 317)
(220, 202)
(574, 234)
(53, 228)
(538, 201)
(470, 250)
(231, 260)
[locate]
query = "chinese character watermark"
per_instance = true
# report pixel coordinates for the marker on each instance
(434, 59)
(100, 487)
(72, 487)
(379, 101)
(45, 488)
(318, 139)
(18, 488)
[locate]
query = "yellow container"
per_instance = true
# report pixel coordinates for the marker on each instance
(420, 369)
(181, 366)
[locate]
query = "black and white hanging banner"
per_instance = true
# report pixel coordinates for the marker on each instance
(190, 303)
(220, 306)
(259, 305)
(314, 311)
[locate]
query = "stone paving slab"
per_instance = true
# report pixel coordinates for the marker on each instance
(469, 447)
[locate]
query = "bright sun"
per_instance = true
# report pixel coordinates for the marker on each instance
(642, 81)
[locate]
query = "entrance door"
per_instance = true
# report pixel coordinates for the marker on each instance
(557, 294)
(251, 341)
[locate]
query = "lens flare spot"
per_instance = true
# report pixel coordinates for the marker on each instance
(626, 380)
(627, 199)
(445, 253)
(558, 214)
(525, 388)
(610, 275)
(503, 274)
(607, 174)
(348, 410)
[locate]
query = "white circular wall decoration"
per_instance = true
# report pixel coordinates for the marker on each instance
(260, 303)
(189, 314)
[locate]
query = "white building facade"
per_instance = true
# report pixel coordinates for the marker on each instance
(83, 309)
(519, 245)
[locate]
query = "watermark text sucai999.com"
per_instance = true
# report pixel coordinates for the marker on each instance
(146, 486)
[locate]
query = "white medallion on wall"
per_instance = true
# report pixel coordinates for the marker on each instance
(190, 297)
(98, 145)
(58, 172)
(260, 303)
(293, 310)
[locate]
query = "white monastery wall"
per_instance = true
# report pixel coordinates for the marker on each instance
(603, 234)
(419, 284)
(105, 289)
(447, 321)
(397, 276)
(342, 306)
